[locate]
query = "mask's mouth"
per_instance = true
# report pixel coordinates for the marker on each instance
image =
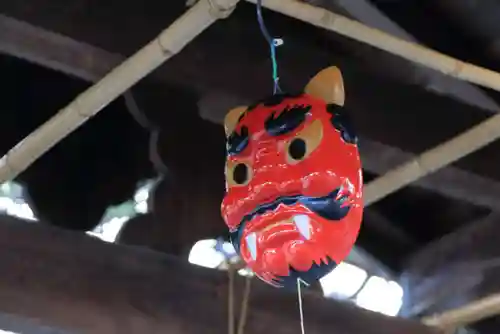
(310, 276)
(333, 207)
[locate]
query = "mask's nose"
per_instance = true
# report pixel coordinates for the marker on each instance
(270, 172)
(267, 162)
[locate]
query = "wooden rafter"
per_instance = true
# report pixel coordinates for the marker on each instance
(74, 281)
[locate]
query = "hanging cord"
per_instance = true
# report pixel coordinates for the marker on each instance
(273, 43)
(244, 302)
(230, 299)
(244, 305)
(299, 296)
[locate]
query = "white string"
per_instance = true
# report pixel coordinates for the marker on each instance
(299, 294)
(244, 306)
(230, 301)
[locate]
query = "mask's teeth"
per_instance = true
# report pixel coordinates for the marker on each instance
(346, 190)
(341, 193)
(251, 241)
(303, 225)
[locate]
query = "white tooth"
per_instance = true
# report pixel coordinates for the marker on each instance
(251, 240)
(302, 224)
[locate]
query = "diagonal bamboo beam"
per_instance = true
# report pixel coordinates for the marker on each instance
(170, 42)
(419, 54)
(366, 12)
(475, 311)
(433, 159)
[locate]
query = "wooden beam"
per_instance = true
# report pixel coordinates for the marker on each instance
(455, 270)
(79, 59)
(378, 222)
(15, 324)
(55, 51)
(77, 282)
(61, 53)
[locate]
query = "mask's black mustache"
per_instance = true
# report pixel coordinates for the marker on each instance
(327, 207)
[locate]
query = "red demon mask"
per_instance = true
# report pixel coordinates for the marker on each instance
(294, 184)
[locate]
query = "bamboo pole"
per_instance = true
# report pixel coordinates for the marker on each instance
(433, 159)
(468, 314)
(90, 102)
(412, 51)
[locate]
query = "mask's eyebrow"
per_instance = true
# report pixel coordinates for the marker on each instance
(288, 120)
(237, 142)
(342, 122)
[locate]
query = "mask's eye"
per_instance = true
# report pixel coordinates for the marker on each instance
(238, 173)
(304, 143)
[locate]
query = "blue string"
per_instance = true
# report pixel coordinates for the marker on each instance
(273, 43)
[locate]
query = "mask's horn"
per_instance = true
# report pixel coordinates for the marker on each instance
(231, 119)
(327, 85)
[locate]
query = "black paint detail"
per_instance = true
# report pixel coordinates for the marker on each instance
(328, 207)
(237, 142)
(243, 114)
(342, 122)
(310, 276)
(297, 149)
(240, 173)
(288, 120)
(289, 282)
(234, 238)
(274, 100)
